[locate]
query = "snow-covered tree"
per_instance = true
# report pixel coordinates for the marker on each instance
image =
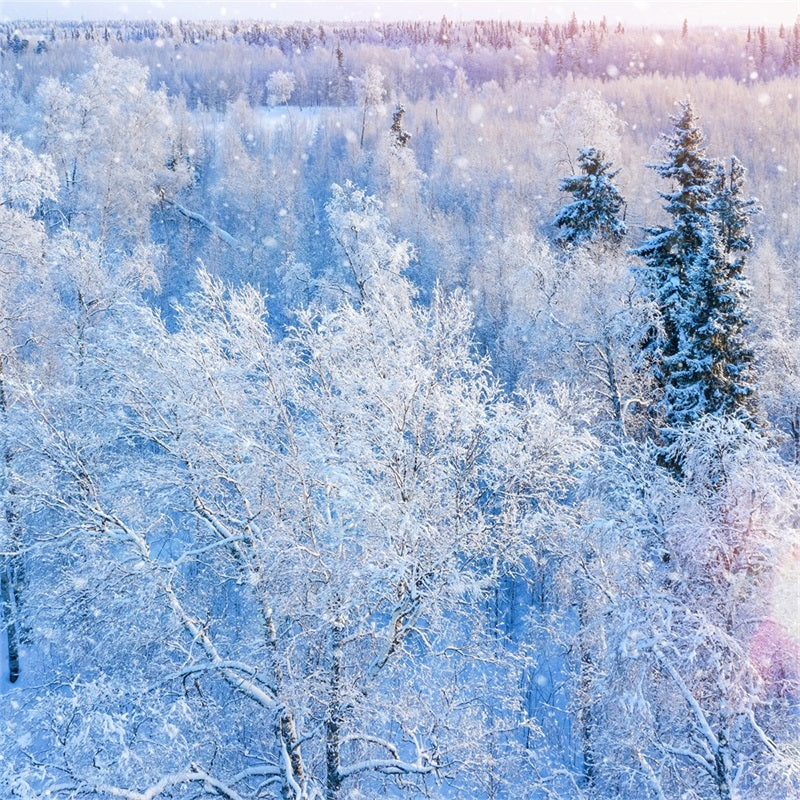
(718, 358)
(721, 358)
(280, 86)
(668, 252)
(110, 139)
(691, 662)
(370, 92)
(285, 535)
(581, 120)
(400, 136)
(734, 212)
(594, 213)
(699, 356)
(27, 183)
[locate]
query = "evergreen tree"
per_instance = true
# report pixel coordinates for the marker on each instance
(693, 273)
(724, 296)
(400, 137)
(668, 252)
(699, 373)
(734, 212)
(594, 214)
(718, 355)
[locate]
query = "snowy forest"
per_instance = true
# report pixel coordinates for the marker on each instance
(399, 410)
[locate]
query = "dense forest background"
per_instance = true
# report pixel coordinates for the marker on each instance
(399, 410)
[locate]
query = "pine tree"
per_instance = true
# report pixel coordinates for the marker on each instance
(725, 295)
(734, 212)
(700, 358)
(698, 370)
(668, 252)
(594, 214)
(400, 137)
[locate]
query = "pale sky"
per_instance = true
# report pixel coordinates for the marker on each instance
(631, 12)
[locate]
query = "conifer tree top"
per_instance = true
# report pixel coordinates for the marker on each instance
(701, 358)
(594, 214)
(686, 163)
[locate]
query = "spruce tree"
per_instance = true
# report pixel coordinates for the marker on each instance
(594, 214)
(734, 212)
(724, 296)
(669, 252)
(693, 273)
(400, 137)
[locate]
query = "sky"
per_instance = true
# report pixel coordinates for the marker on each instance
(631, 12)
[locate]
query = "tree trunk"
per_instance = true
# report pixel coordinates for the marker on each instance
(616, 403)
(333, 718)
(12, 568)
(294, 768)
(9, 605)
(586, 714)
(363, 125)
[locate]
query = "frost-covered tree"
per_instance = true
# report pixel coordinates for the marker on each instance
(721, 358)
(27, 183)
(370, 93)
(731, 288)
(280, 86)
(691, 662)
(693, 273)
(594, 213)
(581, 120)
(668, 252)
(400, 136)
(275, 556)
(110, 138)
(734, 212)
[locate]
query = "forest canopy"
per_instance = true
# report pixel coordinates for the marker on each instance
(399, 410)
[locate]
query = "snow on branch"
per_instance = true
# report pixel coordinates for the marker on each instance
(210, 226)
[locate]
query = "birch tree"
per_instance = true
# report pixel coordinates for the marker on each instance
(274, 555)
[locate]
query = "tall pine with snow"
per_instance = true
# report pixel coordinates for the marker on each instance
(594, 213)
(694, 273)
(726, 368)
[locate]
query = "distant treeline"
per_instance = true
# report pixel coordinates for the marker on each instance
(484, 49)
